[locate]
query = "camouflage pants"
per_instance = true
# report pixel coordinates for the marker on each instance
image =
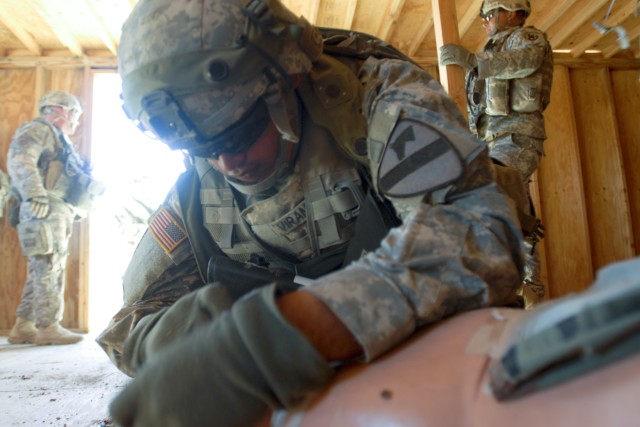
(43, 293)
(519, 152)
(523, 154)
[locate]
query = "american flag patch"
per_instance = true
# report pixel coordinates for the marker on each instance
(166, 230)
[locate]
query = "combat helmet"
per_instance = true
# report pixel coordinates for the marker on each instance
(58, 98)
(510, 5)
(205, 75)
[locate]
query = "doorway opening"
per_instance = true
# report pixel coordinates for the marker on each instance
(137, 172)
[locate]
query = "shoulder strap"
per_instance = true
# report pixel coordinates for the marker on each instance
(354, 44)
(188, 187)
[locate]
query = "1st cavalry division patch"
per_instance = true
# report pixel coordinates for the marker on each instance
(418, 160)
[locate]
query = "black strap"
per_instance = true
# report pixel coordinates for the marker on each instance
(202, 244)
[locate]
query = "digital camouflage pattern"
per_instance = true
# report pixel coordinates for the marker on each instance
(458, 246)
(522, 55)
(506, 96)
(445, 258)
(4, 191)
(511, 5)
(34, 146)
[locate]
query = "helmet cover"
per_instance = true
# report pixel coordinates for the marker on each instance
(191, 69)
(58, 98)
(510, 5)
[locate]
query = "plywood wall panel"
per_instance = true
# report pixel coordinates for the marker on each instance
(16, 106)
(602, 166)
(626, 94)
(566, 253)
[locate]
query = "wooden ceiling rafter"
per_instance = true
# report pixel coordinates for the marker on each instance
(618, 16)
(86, 28)
(19, 32)
(58, 26)
(393, 12)
(579, 14)
(469, 17)
(96, 17)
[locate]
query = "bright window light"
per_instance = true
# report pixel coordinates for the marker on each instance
(138, 173)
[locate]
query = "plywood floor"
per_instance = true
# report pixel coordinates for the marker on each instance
(60, 386)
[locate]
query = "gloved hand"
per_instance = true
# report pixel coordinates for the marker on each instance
(39, 206)
(453, 54)
(156, 331)
(227, 373)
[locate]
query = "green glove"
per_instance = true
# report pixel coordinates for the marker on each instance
(156, 331)
(453, 54)
(228, 373)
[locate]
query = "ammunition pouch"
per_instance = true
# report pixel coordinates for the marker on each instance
(36, 237)
(526, 93)
(497, 97)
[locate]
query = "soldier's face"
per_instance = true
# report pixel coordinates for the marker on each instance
(490, 22)
(497, 20)
(70, 119)
(254, 164)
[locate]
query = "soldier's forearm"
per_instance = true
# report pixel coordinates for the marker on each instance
(325, 331)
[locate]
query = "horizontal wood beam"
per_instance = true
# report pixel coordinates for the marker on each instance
(585, 61)
(103, 62)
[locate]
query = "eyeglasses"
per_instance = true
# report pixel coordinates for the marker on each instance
(490, 15)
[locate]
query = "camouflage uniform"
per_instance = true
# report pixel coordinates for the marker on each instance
(44, 242)
(377, 124)
(520, 60)
(4, 191)
(508, 87)
(516, 69)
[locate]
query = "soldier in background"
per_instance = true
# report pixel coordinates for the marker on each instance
(508, 88)
(49, 179)
(335, 203)
(4, 191)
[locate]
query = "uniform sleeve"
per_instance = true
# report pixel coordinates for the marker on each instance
(157, 276)
(30, 143)
(455, 252)
(523, 54)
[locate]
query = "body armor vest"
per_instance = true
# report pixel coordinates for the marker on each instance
(68, 176)
(313, 211)
(307, 226)
(501, 97)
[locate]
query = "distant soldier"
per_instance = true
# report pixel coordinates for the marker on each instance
(4, 191)
(51, 184)
(508, 87)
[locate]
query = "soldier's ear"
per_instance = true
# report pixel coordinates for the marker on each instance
(513, 17)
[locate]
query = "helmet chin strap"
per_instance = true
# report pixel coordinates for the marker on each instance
(282, 114)
(282, 104)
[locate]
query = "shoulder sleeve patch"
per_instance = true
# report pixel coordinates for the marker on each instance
(166, 230)
(418, 160)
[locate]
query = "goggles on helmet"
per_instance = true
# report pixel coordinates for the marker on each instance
(165, 118)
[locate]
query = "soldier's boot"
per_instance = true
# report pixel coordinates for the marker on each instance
(55, 334)
(23, 332)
